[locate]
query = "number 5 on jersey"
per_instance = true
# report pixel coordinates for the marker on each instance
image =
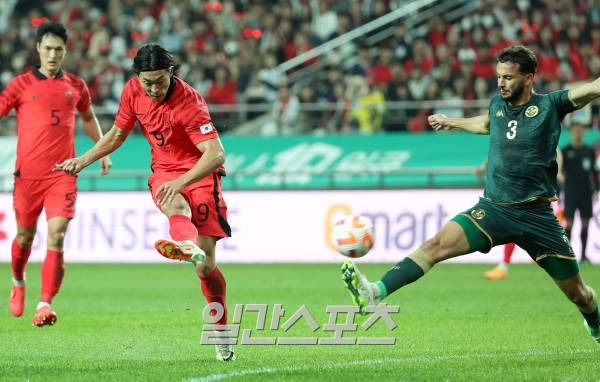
(512, 126)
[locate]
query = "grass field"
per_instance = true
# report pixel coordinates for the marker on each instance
(143, 322)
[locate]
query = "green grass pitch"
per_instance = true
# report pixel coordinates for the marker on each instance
(143, 322)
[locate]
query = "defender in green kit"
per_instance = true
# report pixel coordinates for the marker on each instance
(524, 129)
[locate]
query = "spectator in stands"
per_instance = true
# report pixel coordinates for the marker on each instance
(368, 108)
(284, 114)
(270, 77)
(107, 33)
(325, 20)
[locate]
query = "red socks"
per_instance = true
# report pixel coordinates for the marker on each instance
(213, 284)
(213, 288)
(53, 271)
(19, 258)
(509, 248)
(182, 228)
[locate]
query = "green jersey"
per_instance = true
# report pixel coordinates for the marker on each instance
(522, 157)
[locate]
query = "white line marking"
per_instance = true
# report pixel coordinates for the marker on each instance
(418, 359)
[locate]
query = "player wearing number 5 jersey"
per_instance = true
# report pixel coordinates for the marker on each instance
(46, 100)
(187, 165)
(524, 128)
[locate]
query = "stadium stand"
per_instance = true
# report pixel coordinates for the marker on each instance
(298, 67)
(232, 52)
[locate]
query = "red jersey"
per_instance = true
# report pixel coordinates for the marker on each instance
(45, 119)
(173, 127)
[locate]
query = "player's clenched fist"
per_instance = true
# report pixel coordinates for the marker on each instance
(105, 165)
(70, 166)
(438, 122)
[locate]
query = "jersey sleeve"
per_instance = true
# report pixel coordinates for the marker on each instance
(85, 100)
(560, 99)
(9, 98)
(200, 127)
(125, 118)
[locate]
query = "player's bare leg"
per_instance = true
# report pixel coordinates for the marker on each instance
(584, 297)
(53, 271)
(20, 251)
(183, 232)
(450, 241)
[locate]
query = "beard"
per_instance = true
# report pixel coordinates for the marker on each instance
(515, 93)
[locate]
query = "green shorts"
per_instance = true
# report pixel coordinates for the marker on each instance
(531, 226)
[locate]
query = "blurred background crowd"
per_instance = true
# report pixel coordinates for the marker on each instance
(236, 54)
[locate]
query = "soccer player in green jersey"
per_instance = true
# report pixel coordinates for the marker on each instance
(524, 129)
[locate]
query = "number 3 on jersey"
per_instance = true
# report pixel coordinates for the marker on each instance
(512, 133)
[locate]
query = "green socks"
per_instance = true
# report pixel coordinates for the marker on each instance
(593, 319)
(405, 272)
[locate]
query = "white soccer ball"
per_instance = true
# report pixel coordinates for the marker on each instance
(353, 236)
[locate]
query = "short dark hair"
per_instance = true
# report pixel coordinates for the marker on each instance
(152, 57)
(51, 27)
(522, 56)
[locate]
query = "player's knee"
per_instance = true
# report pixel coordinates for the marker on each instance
(437, 248)
(177, 208)
(25, 239)
(56, 240)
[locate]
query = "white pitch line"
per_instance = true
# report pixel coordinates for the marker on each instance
(418, 359)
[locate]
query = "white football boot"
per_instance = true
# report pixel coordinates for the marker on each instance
(185, 250)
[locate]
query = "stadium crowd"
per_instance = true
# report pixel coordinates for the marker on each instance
(229, 51)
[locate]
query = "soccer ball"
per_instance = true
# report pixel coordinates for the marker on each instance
(353, 236)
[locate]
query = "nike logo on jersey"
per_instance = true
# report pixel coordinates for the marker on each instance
(207, 128)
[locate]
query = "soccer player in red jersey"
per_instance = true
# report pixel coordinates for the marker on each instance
(46, 100)
(187, 165)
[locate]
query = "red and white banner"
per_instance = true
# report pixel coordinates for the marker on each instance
(267, 226)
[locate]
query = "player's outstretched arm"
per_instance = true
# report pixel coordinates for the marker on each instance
(213, 156)
(106, 145)
(584, 94)
(92, 126)
(476, 125)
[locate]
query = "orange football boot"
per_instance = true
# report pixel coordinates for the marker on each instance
(44, 316)
(16, 302)
(496, 273)
(185, 250)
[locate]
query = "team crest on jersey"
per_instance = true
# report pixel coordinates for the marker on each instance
(478, 214)
(532, 111)
(499, 113)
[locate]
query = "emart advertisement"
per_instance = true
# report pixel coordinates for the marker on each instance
(267, 226)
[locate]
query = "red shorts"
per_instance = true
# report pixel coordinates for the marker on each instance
(56, 195)
(209, 211)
